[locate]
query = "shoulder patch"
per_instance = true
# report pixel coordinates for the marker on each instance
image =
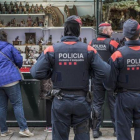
(136, 48)
(49, 49)
(101, 39)
(116, 55)
(70, 43)
(90, 48)
(114, 43)
(90, 43)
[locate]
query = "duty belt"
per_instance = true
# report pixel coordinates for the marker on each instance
(128, 90)
(74, 92)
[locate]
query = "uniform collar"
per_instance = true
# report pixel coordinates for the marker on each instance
(69, 38)
(132, 43)
(103, 35)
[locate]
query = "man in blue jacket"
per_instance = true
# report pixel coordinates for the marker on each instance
(10, 62)
(69, 64)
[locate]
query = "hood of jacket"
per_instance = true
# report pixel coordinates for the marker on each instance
(3, 44)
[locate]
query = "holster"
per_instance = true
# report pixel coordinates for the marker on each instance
(51, 94)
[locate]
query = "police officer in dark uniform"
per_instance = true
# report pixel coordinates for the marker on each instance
(69, 63)
(125, 70)
(105, 46)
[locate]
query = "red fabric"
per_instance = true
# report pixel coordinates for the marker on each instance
(116, 55)
(136, 48)
(104, 24)
(25, 69)
(91, 49)
(70, 43)
(79, 21)
(90, 42)
(49, 49)
(138, 27)
(114, 43)
(101, 39)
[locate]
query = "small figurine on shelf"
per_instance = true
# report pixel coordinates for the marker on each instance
(29, 10)
(19, 50)
(20, 10)
(80, 39)
(17, 41)
(122, 20)
(46, 21)
(11, 3)
(1, 25)
(40, 48)
(31, 62)
(34, 51)
(9, 9)
(16, 4)
(27, 6)
(37, 20)
(41, 23)
(25, 11)
(41, 10)
(32, 10)
(27, 52)
(0, 7)
(29, 21)
(8, 24)
(20, 4)
(36, 9)
(85, 40)
(3, 10)
(31, 40)
(49, 40)
(15, 10)
(23, 22)
(32, 6)
(3, 36)
(13, 22)
(41, 41)
(35, 24)
(17, 38)
(5, 5)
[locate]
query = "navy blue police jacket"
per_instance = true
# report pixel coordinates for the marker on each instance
(125, 67)
(104, 45)
(69, 64)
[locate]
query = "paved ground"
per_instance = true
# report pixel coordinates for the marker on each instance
(41, 135)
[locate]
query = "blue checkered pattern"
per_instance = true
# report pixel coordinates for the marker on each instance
(8, 72)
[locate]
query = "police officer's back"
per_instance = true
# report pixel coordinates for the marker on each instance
(105, 46)
(125, 70)
(69, 63)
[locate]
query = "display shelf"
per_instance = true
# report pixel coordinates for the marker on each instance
(13, 28)
(41, 28)
(38, 14)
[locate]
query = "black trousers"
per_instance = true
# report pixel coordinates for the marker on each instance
(48, 113)
(98, 100)
(127, 109)
(69, 111)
